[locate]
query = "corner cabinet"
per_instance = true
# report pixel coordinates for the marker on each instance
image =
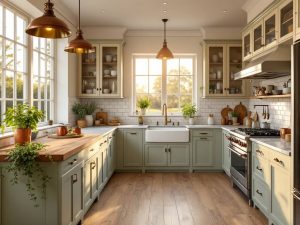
(101, 72)
(221, 61)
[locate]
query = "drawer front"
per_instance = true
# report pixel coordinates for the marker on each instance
(261, 195)
(281, 160)
(202, 133)
(261, 168)
(92, 150)
(260, 151)
(71, 162)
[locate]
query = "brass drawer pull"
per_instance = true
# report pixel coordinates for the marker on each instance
(203, 138)
(279, 161)
(260, 169)
(93, 165)
(92, 149)
(258, 192)
(203, 133)
(133, 133)
(260, 152)
(73, 162)
(166, 149)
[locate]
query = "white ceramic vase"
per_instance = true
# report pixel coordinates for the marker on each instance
(89, 120)
(191, 121)
(210, 120)
(234, 119)
(143, 112)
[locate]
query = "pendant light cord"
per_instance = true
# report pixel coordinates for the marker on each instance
(79, 15)
(165, 31)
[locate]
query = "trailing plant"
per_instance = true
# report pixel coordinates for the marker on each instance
(79, 109)
(22, 116)
(143, 103)
(23, 162)
(234, 114)
(90, 108)
(189, 110)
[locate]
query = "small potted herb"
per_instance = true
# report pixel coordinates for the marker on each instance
(89, 110)
(143, 103)
(189, 111)
(23, 119)
(234, 116)
(80, 110)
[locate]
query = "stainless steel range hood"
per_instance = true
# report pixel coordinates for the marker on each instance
(276, 64)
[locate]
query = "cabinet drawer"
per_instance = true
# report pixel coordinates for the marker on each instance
(261, 195)
(92, 150)
(281, 160)
(261, 168)
(202, 133)
(71, 162)
(260, 151)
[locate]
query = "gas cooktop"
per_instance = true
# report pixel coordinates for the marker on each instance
(257, 132)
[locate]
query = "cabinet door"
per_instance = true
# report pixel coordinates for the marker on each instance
(297, 18)
(179, 155)
(156, 155)
(133, 147)
(71, 196)
(226, 154)
(271, 30)
(90, 181)
(110, 70)
(285, 20)
(280, 195)
(215, 69)
(105, 163)
(89, 73)
(203, 151)
(247, 45)
(258, 39)
(111, 163)
(234, 56)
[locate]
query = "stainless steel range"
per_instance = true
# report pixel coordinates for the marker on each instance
(240, 147)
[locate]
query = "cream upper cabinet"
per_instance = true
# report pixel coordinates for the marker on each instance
(297, 19)
(271, 27)
(221, 61)
(100, 72)
(285, 12)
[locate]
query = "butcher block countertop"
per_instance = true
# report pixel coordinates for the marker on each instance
(58, 149)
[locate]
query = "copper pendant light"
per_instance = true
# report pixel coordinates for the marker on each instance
(164, 52)
(79, 45)
(48, 25)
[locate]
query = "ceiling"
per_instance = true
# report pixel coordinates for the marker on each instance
(147, 14)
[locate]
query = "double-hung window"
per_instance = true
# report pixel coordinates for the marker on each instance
(171, 82)
(21, 64)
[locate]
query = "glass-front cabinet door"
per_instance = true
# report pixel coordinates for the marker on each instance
(216, 69)
(89, 73)
(234, 55)
(258, 38)
(247, 45)
(271, 30)
(297, 18)
(110, 70)
(285, 20)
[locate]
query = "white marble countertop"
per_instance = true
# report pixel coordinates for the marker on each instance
(276, 144)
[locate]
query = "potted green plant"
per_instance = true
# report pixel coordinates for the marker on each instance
(143, 103)
(80, 110)
(24, 167)
(89, 110)
(23, 119)
(189, 111)
(234, 116)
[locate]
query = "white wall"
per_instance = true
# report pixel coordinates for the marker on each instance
(254, 7)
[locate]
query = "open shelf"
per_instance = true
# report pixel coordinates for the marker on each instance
(271, 96)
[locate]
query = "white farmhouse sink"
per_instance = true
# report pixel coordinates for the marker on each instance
(167, 134)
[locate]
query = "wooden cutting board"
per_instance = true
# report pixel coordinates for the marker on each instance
(102, 115)
(225, 111)
(242, 111)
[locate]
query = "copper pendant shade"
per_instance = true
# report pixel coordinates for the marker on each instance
(48, 25)
(164, 52)
(79, 45)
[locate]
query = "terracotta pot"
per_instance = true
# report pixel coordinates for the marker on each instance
(61, 131)
(81, 123)
(22, 136)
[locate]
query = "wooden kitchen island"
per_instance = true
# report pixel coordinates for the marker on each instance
(79, 169)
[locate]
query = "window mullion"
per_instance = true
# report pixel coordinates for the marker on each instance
(164, 82)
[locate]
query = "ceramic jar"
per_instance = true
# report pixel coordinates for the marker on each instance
(89, 120)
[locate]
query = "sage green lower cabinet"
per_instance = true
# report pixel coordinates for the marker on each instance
(172, 155)
(226, 163)
(133, 147)
(203, 152)
(111, 153)
(156, 155)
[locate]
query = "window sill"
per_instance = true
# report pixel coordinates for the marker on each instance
(160, 116)
(46, 127)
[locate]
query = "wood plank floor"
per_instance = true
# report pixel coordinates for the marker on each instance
(172, 199)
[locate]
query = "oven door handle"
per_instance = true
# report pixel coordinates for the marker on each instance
(242, 155)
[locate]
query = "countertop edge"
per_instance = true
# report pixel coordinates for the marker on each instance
(260, 141)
